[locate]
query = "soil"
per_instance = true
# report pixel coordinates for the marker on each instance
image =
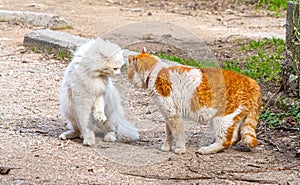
(30, 122)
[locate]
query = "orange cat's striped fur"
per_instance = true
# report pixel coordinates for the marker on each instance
(228, 101)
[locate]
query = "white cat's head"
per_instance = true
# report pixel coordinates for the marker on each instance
(112, 64)
(100, 58)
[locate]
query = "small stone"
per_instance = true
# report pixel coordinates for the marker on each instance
(57, 78)
(34, 18)
(44, 39)
(20, 182)
(4, 170)
(91, 170)
(131, 9)
(148, 37)
(10, 73)
(167, 35)
(149, 13)
(229, 11)
(298, 153)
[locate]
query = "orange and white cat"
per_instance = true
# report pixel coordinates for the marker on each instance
(228, 101)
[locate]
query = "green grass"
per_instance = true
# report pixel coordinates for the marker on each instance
(35, 49)
(194, 63)
(273, 5)
(61, 55)
(274, 119)
(264, 64)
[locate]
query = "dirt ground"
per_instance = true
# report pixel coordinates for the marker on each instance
(30, 122)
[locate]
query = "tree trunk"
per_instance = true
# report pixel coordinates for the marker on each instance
(291, 66)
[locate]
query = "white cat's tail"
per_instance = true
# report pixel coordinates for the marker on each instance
(123, 128)
(127, 130)
(69, 126)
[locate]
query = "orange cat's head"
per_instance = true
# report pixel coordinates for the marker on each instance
(139, 67)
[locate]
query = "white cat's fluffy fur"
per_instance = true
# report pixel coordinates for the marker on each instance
(88, 98)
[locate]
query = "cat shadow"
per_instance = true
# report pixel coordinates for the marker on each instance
(48, 127)
(149, 141)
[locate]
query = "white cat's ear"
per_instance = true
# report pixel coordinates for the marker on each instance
(144, 50)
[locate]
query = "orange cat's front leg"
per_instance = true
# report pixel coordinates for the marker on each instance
(166, 147)
(177, 133)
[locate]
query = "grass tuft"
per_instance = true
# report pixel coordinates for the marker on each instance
(274, 119)
(190, 62)
(273, 5)
(264, 64)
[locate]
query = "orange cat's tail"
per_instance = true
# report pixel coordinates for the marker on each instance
(248, 127)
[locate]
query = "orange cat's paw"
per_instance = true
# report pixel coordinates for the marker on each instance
(211, 149)
(204, 150)
(165, 148)
(180, 150)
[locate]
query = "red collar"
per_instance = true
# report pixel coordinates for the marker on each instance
(148, 77)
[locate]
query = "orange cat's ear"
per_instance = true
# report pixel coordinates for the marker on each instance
(144, 50)
(131, 59)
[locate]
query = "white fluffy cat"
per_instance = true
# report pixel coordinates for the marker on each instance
(88, 98)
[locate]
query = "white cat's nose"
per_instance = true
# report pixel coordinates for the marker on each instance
(117, 71)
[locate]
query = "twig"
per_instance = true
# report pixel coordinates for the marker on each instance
(271, 143)
(232, 19)
(249, 16)
(264, 170)
(5, 170)
(7, 55)
(287, 129)
(167, 178)
(189, 159)
(229, 37)
(278, 90)
(200, 178)
(192, 170)
(253, 180)
(285, 168)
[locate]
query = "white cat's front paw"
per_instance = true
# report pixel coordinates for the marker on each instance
(62, 136)
(110, 137)
(90, 140)
(99, 117)
(70, 134)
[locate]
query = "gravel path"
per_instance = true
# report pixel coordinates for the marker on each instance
(30, 121)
